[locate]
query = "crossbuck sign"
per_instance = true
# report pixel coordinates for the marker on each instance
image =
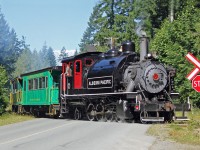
(193, 74)
(195, 62)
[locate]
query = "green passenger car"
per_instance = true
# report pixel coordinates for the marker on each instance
(36, 92)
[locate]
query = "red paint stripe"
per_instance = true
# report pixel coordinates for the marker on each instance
(191, 73)
(64, 82)
(191, 60)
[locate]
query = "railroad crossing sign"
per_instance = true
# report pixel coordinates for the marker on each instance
(195, 62)
(196, 83)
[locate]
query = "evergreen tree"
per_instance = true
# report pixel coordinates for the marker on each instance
(35, 60)
(124, 25)
(10, 46)
(144, 10)
(76, 53)
(154, 12)
(106, 8)
(88, 35)
(44, 57)
(3, 90)
(51, 57)
(114, 19)
(110, 18)
(31, 61)
(24, 63)
(63, 54)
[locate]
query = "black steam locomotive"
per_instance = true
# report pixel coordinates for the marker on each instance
(117, 84)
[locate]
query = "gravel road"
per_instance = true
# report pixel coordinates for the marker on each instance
(61, 134)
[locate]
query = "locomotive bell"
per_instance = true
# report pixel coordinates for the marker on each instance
(128, 47)
(112, 52)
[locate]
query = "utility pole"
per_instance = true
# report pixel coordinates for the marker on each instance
(171, 16)
(112, 42)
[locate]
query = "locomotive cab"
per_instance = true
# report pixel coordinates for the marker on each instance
(74, 72)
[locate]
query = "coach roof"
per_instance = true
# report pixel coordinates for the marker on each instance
(55, 68)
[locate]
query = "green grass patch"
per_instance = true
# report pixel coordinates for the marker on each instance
(182, 132)
(10, 118)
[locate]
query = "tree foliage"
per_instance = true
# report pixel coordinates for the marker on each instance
(63, 54)
(88, 35)
(44, 56)
(23, 64)
(30, 61)
(115, 18)
(51, 57)
(116, 21)
(3, 90)
(174, 40)
(47, 57)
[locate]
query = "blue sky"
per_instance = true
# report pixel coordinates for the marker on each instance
(57, 22)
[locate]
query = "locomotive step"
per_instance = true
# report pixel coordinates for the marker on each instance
(152, 119)
(181, 119)
(49, 114)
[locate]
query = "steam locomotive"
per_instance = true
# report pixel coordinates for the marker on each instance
(115, 85)
(118, 85)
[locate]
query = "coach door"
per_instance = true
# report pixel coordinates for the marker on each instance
(78, 74)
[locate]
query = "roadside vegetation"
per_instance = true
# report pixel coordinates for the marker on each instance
(10, 118)
(182, 132)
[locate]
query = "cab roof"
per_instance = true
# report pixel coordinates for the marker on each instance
(82, 55)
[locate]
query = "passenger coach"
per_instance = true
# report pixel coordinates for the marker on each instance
(36, 92)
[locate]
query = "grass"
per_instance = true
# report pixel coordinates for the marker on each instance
(10, 118)
(187, 132)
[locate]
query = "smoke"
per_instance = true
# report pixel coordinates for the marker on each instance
(140, 27)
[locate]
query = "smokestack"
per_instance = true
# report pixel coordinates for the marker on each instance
(144, 47)
(144, 41)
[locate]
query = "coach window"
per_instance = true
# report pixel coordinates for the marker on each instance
(14, 87)
(20, 84)
(55, 81)
(46, 83)
(30, 84)
(35, 84)
(24, 85)
(42, 83)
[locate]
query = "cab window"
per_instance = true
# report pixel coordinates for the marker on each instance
(88, 62)
(78, 66)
